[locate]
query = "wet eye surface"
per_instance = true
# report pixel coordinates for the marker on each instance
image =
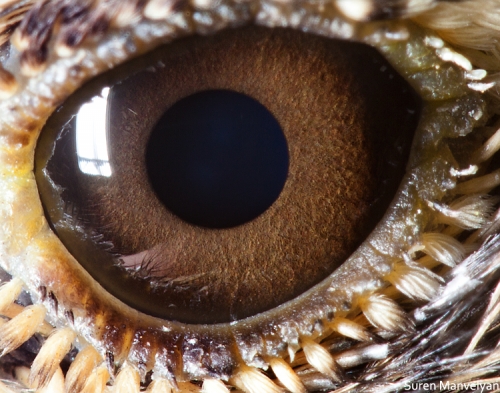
(134, 184)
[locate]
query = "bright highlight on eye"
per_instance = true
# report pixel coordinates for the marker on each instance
(91, 136)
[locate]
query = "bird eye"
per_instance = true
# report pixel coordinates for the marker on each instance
(221, 204)
(257, 199)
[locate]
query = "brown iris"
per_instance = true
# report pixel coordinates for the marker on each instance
(347, 119)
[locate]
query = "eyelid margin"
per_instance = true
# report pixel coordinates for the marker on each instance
(38, 257)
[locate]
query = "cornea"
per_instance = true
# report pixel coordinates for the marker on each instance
(59, 45)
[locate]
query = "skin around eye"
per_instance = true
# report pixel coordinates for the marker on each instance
(417, 234)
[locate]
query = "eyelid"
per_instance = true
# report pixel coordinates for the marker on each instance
(43, 250)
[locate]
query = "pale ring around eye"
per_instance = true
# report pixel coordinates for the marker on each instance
(416, 234)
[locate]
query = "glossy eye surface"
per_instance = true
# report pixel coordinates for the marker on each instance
(313, 316)
(342, 167)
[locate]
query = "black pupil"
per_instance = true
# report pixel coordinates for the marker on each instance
(217, 159)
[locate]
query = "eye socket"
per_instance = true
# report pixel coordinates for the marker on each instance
(361, 292)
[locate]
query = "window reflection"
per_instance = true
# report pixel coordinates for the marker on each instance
(91, 136)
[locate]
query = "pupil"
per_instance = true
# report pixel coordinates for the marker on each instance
(217, 159)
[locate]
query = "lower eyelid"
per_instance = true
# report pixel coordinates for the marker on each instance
(42, 251)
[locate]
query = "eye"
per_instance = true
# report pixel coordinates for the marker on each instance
(344, 185)
(314, 339)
